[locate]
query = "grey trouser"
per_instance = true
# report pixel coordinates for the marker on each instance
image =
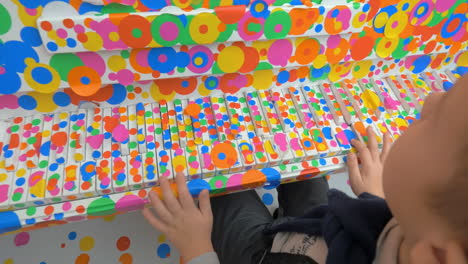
(240, 218)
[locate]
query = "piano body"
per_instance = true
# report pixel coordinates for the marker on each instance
(101, 98)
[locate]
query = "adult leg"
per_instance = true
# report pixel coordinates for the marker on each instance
(298, 197)
(238, 223)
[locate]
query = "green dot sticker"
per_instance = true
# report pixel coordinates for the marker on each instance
(277, 25)
(132, 145)
(31, 211)
(31, 140)
(16, 197)
(36, 122)
(125, 53)
(43, 164)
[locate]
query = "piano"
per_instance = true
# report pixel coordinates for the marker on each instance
(101, 98)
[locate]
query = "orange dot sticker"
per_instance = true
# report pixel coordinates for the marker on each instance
(253, 179)
(192, 110)
(84, 81)
(224, 155)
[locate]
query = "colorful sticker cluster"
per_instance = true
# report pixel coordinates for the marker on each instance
(425, 34)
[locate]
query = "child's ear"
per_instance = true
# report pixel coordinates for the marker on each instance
(426, 253)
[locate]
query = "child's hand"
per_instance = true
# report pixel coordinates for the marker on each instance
(186, 226)
(368, 177)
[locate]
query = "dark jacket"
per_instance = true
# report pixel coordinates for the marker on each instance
(350, 227)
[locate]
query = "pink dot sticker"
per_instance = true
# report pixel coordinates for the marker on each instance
(66, 206)
(22, 239)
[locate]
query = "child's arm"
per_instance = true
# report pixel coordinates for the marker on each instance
(368, 177)
(184, 224)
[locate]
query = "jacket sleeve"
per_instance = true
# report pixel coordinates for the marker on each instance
(208, 258)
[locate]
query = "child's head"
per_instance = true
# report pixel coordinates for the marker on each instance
(426, 173)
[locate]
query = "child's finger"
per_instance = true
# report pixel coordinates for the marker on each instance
(185, 198)
(155, 222)
(387, 144)
(372, 142)
(364, 153)
(354, 173)
(159, 207)
(205, 204)
(169, 199)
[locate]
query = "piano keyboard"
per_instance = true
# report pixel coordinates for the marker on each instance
(47, 159)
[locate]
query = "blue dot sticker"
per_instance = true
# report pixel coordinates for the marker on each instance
(72, 235)
(163, 251)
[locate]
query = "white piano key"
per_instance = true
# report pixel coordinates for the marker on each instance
(33, 139)
(71, 182)
(258, 116)
(140, 113)
(207, 166)
(36, 186)
(107, 143)
(46, 142)
(135, 172)
(178, 155)
(222, 120)
(163, 154)
(54, 183)
(123, 135)
(150, 168)
(191, 140)
(261, 156)
(14, 139)
(120, 174)
(162, 113)
(77, 136)
(94, 134)
(60, 139)
(88, 179)
(20, 188)
(3, 140)
(246, 152)
(267, 105)
(25, 134)
(104, 176)
(6, 184)
(133, 130)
